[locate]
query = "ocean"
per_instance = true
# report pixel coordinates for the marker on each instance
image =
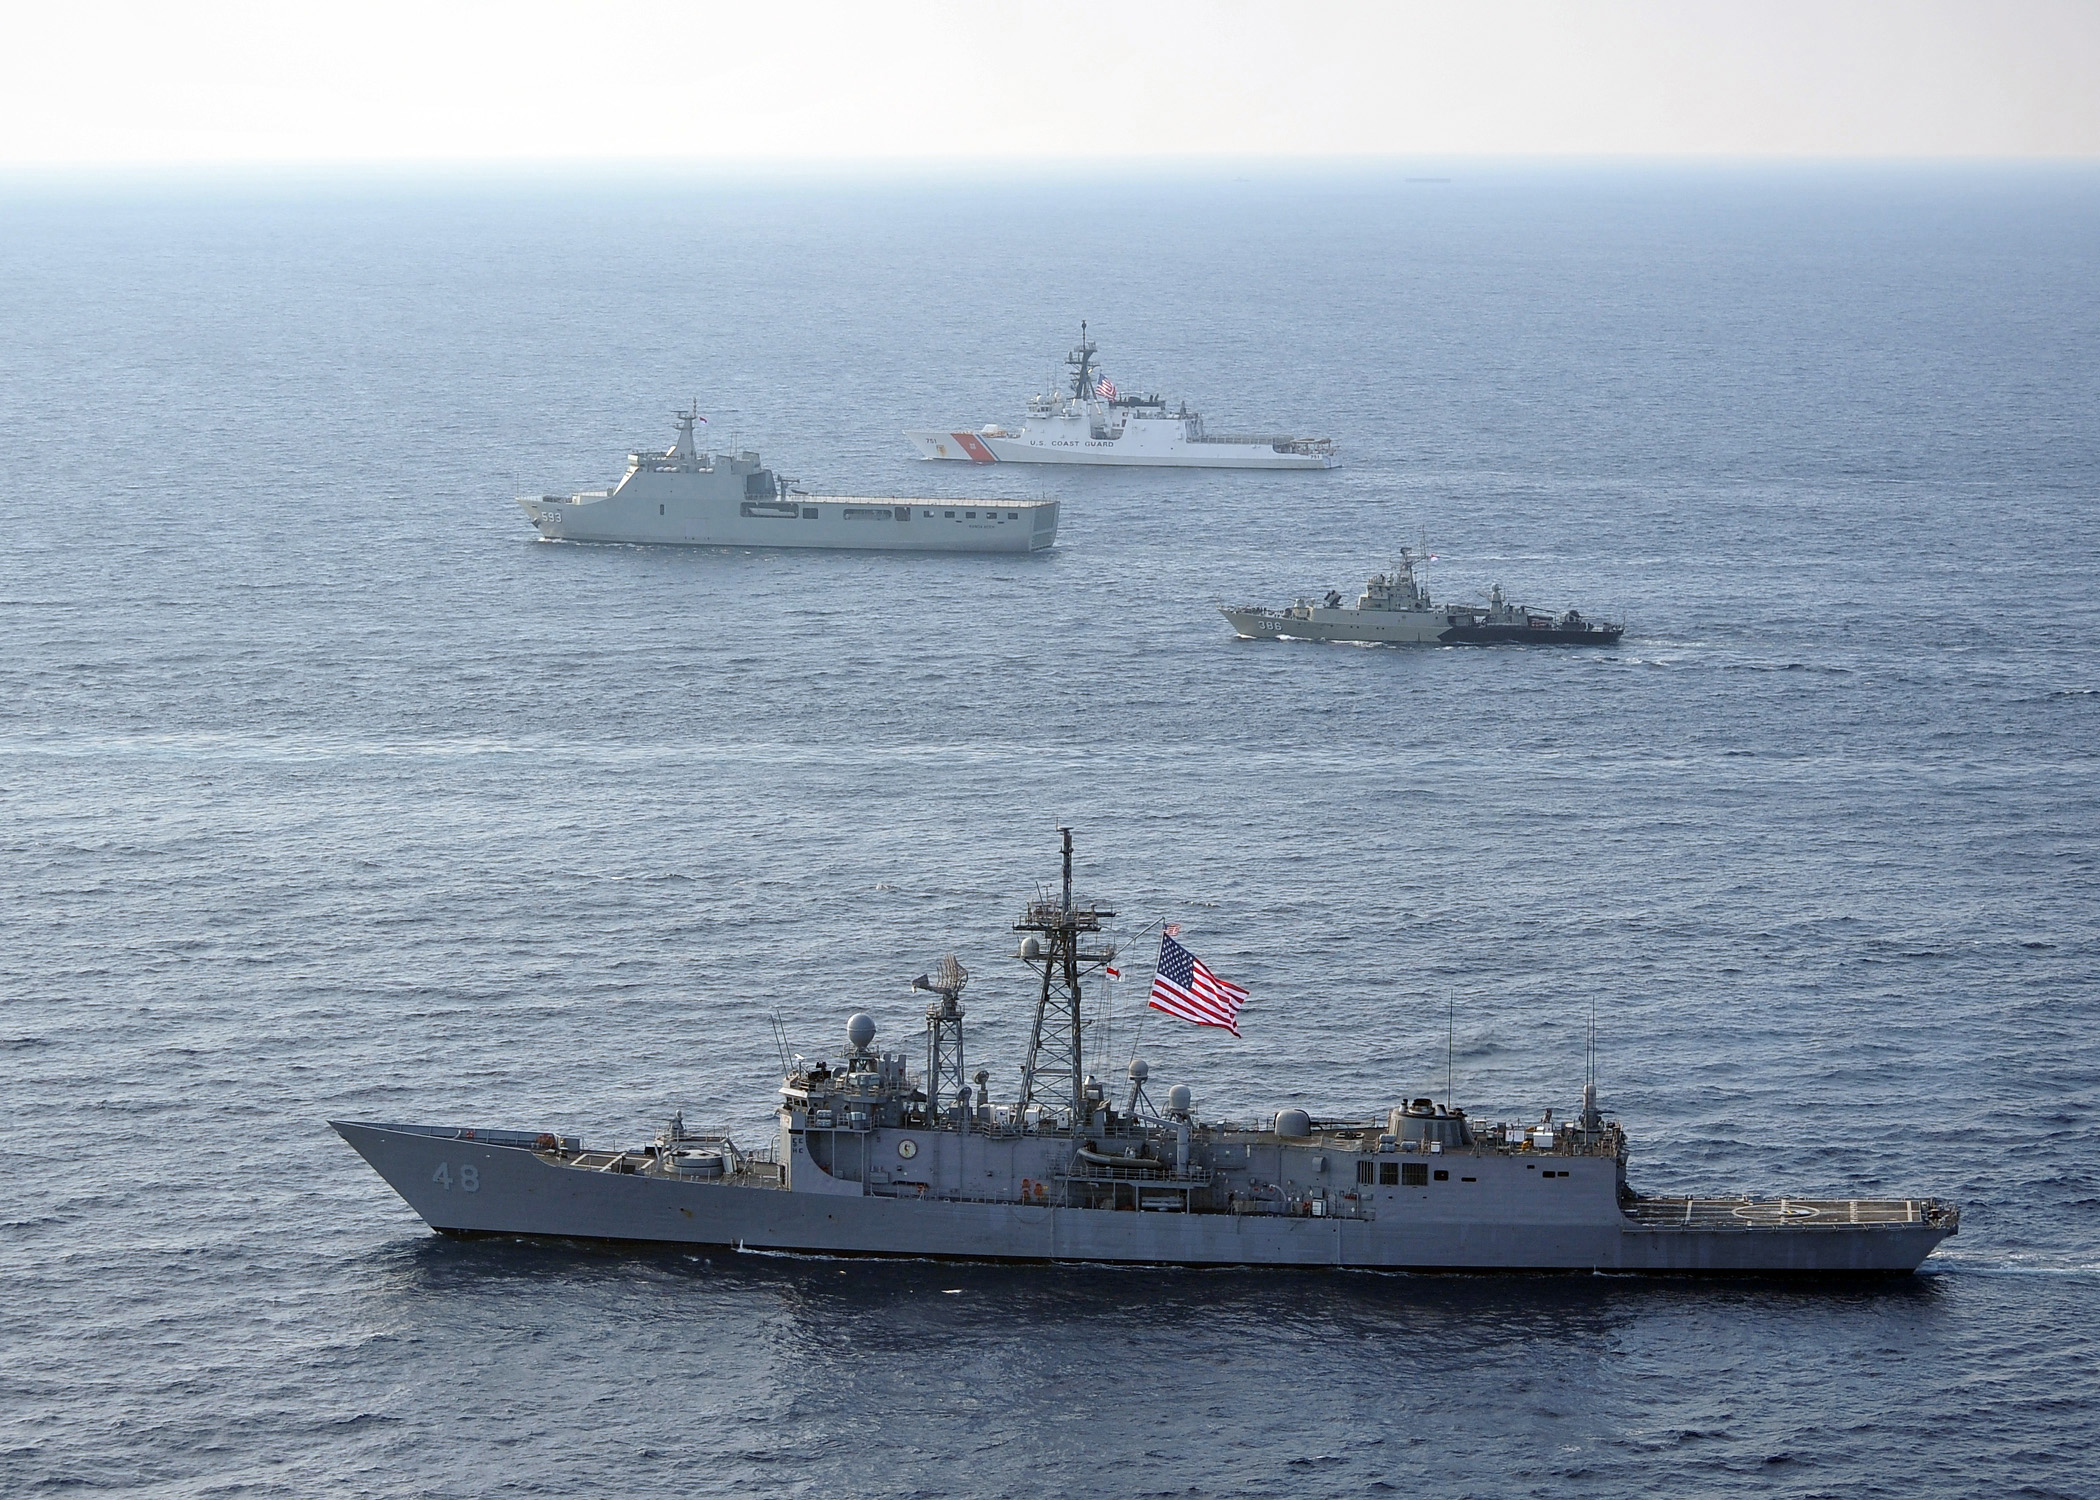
(326, 792)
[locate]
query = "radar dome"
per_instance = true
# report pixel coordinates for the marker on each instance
(860, 1030)
(1293, 1124)
(1179, 1099)
(1139, 1069)
(1031, 947)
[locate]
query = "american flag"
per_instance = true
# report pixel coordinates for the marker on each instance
(1182, 986)
(1105, 388)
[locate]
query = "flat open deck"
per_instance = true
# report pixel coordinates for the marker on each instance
(752, 1169)
(1778, 1213)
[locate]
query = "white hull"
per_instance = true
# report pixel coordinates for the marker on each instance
(1029, 447)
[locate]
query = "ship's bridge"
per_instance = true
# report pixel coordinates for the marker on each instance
(867, 1090)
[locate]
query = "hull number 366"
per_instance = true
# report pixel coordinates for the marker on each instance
(469, 1178)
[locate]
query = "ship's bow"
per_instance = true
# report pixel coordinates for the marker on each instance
(545, 514)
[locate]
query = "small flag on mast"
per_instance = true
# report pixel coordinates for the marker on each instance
(1182, 986)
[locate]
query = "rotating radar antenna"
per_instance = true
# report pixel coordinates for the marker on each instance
(944, 1048)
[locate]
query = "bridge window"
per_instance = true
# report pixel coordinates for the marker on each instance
(1389, 1173)
(809, 512)
(1414, 1174)
(1364, 1171)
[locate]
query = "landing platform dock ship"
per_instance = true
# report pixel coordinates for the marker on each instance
(684, 497)
(1395, 609)
(874, 1157)
(1091, 422)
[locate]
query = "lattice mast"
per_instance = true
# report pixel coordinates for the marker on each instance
(1054, 1075)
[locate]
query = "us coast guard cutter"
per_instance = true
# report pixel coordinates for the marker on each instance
(1091, 422)
(873, 1156)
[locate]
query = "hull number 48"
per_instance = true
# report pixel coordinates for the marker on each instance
(469, 1178)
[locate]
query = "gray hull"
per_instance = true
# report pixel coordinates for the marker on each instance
(481, 1182)
(1409, 628)
(666, 517)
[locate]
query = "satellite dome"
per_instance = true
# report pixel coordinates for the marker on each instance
(1031, 947)
(1179, 1099)
(860, 1030)
(1139, 1069)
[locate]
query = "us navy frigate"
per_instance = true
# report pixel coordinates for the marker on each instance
(687, 497)
(1092, 422)
(1395, 609)
(874, 1157)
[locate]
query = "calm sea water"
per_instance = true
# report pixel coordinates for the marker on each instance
(325, 791)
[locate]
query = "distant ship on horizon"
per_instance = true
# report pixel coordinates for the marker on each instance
(1092, 422)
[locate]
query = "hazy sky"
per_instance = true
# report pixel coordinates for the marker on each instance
(100, 82)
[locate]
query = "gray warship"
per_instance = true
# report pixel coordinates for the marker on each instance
(1395, 609)
(873, 1157)
(687, 497)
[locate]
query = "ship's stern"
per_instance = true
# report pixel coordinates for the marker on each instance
(956, 447)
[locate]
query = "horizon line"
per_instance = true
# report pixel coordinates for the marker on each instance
(975, 169)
